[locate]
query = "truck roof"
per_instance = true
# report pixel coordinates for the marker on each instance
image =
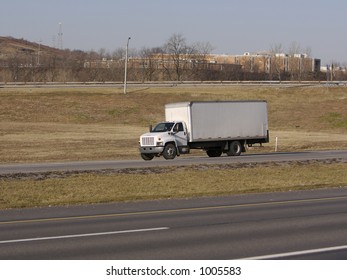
(190, 103)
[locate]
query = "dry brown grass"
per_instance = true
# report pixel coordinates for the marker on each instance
(56, 124)
(59, 142)
(174, 183)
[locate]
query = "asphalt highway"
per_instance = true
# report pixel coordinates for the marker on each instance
(288, 225)
(160, 162)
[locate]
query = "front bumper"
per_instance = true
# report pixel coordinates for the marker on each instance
(151, 150)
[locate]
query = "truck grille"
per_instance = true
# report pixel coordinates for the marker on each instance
(147, 141)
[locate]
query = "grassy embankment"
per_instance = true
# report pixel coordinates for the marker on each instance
(102, 123)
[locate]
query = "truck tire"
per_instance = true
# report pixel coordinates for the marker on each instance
(170, 151)
(235, 149)
(147, 156)
(215, 152)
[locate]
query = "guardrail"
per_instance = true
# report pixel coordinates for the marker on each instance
(173, 83)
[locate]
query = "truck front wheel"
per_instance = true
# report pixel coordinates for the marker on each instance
(170, 151)
(235, 149)
(147, 156)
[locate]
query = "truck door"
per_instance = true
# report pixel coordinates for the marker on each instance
(180, 134)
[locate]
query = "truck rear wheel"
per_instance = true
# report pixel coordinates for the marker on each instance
(170, 151)
(147, 156)
(216, 152)
(235, 149)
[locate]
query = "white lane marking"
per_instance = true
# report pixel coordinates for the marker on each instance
(298, 253)
(82, 235)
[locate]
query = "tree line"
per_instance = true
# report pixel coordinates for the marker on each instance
(175, 60)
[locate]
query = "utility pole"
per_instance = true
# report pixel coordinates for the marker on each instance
(60, 36)
(126, 66)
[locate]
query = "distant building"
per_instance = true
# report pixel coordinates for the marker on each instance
(263, 65)
(269, 62)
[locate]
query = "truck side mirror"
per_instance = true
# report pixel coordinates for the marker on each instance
(150, 128)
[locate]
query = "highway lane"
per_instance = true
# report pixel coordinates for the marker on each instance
(160, 162)
(286, 225)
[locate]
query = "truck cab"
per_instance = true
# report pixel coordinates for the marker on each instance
(169, 139)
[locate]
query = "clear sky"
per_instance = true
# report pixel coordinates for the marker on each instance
(230, 26)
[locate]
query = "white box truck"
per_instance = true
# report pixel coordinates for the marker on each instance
(214, 126)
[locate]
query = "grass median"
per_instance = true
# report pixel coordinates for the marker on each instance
(167, 183)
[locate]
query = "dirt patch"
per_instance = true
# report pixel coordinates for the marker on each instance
(165, 170)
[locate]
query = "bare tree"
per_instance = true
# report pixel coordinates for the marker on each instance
(308, 51)
(14, 67)
(276, 66)
(149, 62)
(178, 50)
(53, 68)
(118, 53)
(300, 62)
(294, 48)
(295, 64)
(200, 60)
(203, 49)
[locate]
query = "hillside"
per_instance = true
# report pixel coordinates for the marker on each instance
(10, 46)
(24, 61)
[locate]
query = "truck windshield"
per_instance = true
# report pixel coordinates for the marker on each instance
(162, 127)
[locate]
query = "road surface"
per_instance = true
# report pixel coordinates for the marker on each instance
(290, 225)
(160, 162)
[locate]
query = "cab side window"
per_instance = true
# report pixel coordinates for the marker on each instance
(178, 127)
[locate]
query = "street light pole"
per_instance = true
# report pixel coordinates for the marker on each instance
(126, 66)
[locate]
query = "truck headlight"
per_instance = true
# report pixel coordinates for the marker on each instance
(161, 143)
